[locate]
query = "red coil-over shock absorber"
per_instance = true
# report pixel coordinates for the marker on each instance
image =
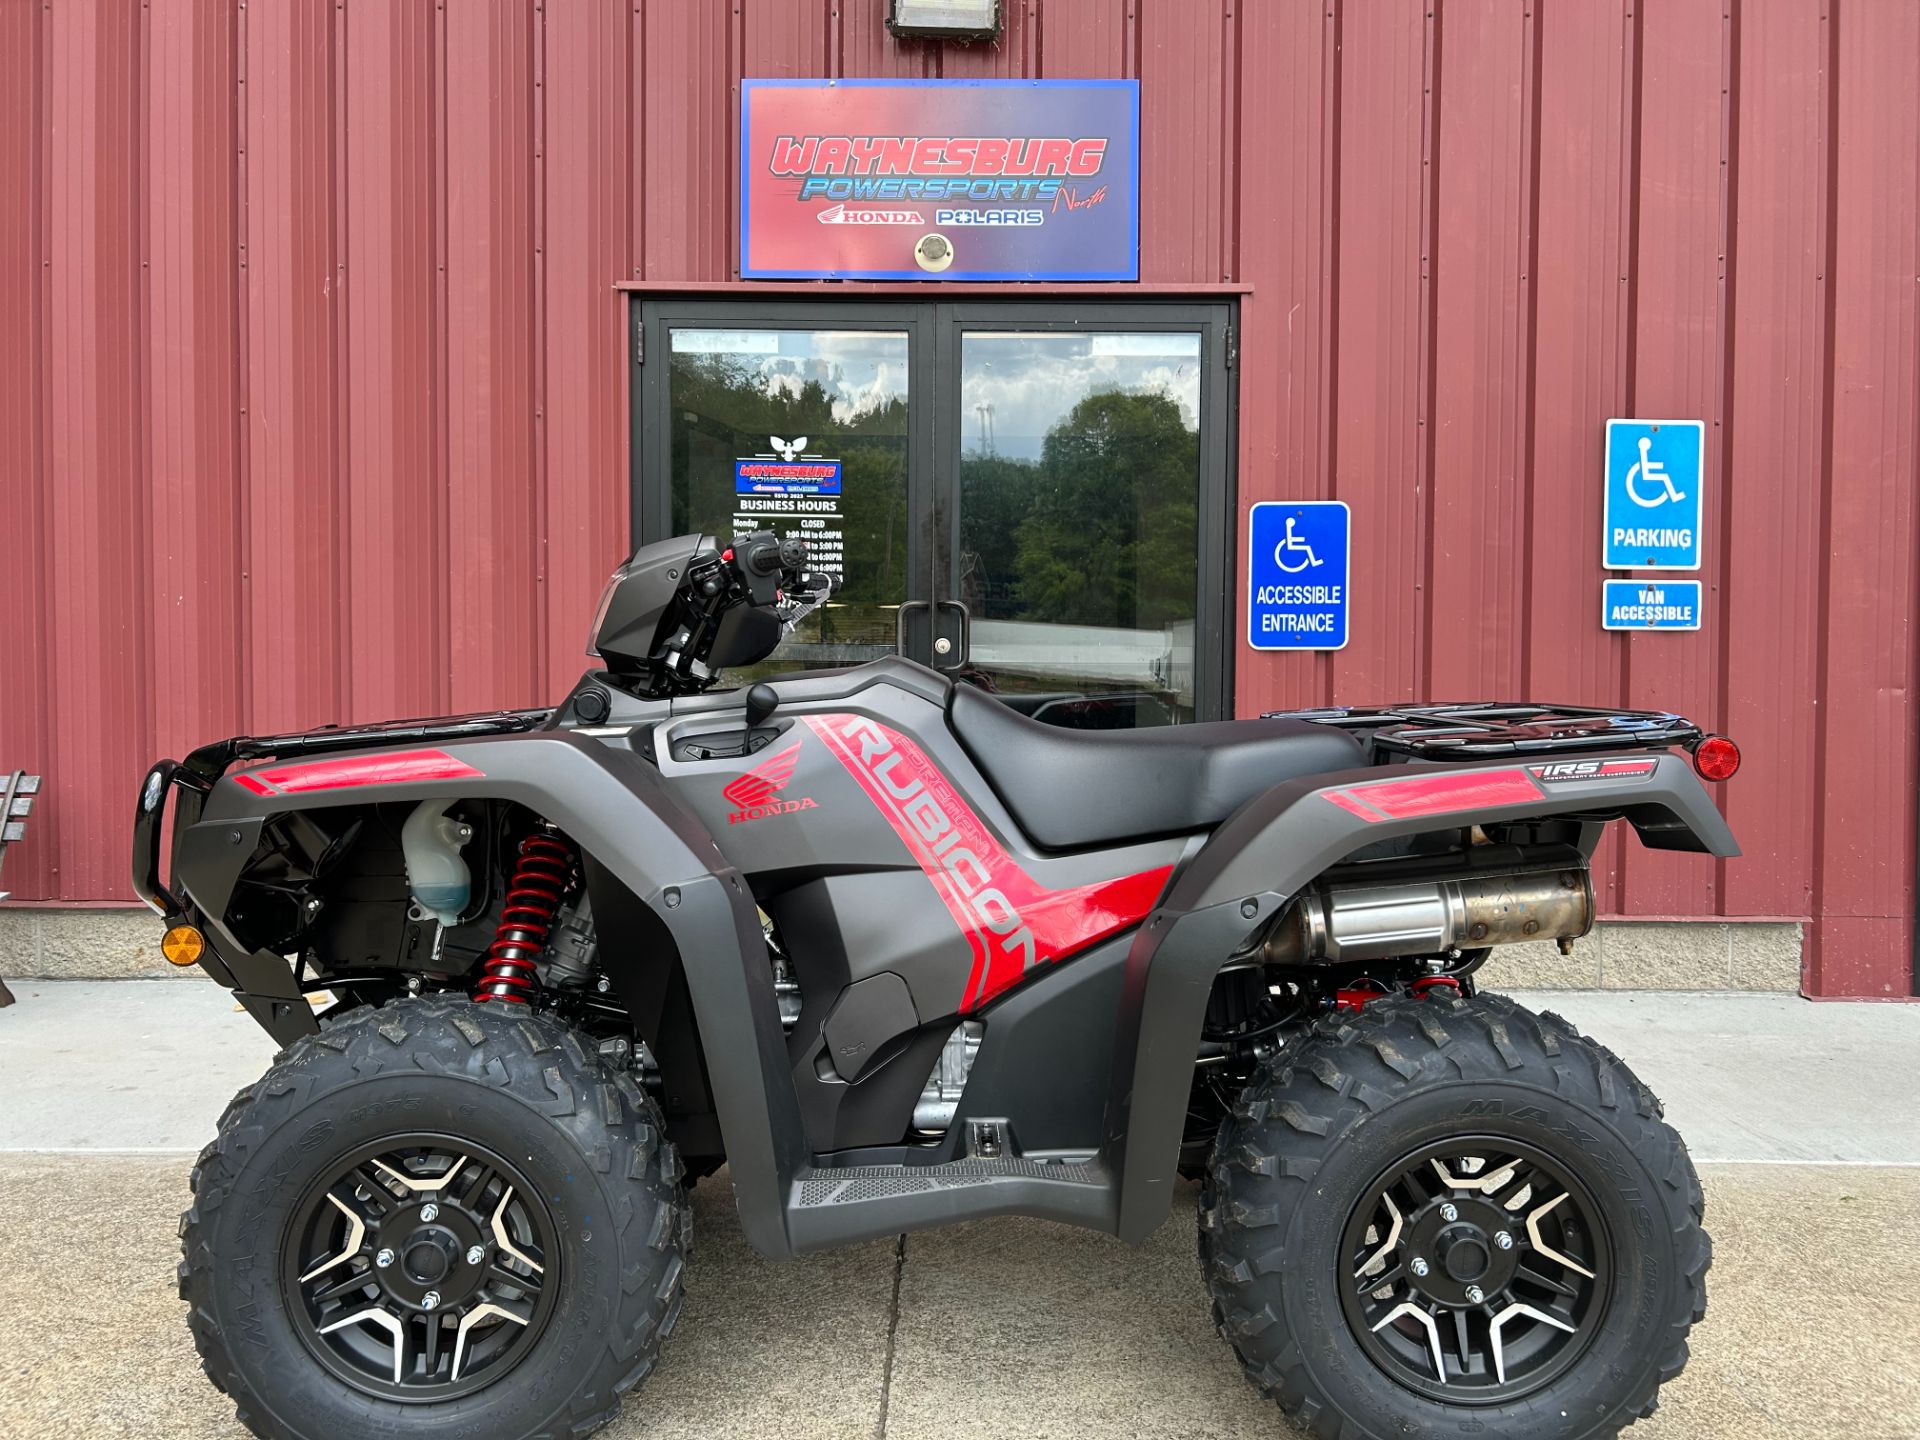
(540, 879)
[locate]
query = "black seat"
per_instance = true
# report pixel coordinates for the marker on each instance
(1074, 788)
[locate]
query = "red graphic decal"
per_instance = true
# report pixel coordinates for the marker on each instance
(1012, 922)
(1435, 794)
(405, 768)
(765, 780)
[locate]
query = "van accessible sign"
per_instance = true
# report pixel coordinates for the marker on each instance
(940, 179)
(1650, 605)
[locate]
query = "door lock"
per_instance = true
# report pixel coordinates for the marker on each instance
(943, 646)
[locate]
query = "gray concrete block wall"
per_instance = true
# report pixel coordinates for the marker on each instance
(1658, 955)
(1619, 955)
(109, 944)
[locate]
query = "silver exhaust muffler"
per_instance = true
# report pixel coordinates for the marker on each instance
(1332, 924)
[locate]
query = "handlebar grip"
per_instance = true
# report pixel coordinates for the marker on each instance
(760, 556)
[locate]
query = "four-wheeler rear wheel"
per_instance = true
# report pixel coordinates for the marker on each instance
(1443, 1215)
(435, 1214)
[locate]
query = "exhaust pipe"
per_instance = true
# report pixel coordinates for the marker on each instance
(1336, 923)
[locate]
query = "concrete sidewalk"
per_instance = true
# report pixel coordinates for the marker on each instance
(1001, 1328)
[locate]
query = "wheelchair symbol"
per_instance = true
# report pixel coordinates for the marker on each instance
(1296, 544)
(1650, 470)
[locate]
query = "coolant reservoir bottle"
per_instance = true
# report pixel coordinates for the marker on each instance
(436, 875)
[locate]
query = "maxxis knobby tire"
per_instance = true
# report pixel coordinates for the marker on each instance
(506, 1077)
(1342, 1093)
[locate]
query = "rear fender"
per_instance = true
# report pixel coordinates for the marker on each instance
(1278, 843)
(611, 804)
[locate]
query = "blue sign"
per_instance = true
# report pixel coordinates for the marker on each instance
(1650, 605)
(1298, 555)
(764, 475)
(1654, 494)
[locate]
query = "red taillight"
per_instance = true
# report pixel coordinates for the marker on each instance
(1716, 758)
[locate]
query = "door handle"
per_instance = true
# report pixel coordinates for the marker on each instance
(901, 644)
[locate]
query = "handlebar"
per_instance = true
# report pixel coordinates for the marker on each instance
(760, 555)
(763, 556)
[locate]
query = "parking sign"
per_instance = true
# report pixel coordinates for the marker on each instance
(1653, 490)
(1297, 566)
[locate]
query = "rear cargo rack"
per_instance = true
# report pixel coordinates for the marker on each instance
(1486, 729)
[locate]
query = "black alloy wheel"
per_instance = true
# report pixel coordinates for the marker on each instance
(1479, 1270)
(1448, 1216)
(422, 1269)
(441, 1214)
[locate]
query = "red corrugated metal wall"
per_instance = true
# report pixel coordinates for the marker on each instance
(312, 401)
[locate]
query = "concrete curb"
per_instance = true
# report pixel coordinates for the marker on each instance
(1744, 955)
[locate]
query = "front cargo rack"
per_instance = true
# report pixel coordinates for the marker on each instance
(211, 761)
(1486, 729)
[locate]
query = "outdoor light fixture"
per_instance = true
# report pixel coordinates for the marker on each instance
(944, 19)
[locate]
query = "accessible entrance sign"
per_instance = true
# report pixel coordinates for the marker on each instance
(1652, 515)
(1298, 560)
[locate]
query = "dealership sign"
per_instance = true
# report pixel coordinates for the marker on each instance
(940, 179)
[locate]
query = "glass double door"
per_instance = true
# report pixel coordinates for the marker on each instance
(1030, 497)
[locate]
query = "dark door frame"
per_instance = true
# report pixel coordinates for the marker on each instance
(933, 326)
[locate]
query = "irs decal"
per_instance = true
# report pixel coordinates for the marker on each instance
(1563, 772)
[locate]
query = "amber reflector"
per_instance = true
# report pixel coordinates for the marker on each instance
(183, 945)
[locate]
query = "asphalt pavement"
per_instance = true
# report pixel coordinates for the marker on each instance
(1804, 1118)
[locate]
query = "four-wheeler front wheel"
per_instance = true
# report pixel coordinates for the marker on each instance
(1442, 1214)
(435, 1213)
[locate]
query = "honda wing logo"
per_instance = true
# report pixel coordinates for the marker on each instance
(755, 793)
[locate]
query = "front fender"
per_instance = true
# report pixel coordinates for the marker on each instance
(613, 805)
(1278, 843)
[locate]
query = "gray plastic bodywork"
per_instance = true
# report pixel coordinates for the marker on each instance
(651, 824)
(616, 807)
(1268, 851)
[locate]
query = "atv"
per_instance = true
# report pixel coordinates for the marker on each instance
(899, 956)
